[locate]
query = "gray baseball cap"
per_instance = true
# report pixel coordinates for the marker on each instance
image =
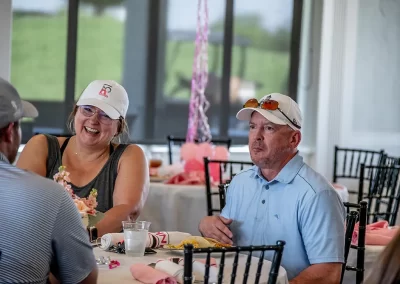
(12, 108)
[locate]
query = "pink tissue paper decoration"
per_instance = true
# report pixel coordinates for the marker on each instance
(378, 233)
(198, 127)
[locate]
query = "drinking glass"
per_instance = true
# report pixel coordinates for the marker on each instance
(135, 237)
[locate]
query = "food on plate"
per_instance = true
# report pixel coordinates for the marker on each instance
(198, 242)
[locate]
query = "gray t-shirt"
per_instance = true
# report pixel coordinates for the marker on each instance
(41, 230)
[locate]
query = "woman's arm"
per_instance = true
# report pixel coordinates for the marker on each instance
(130, 190)
(34, 155)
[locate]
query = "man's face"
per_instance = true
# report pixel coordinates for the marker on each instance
(269, 143)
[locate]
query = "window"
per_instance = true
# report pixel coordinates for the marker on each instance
(261, 56)
(260, 62)
(148, 46)
(38, 61)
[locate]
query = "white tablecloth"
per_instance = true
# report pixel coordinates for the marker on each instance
(371, 254)
(176, 207)
(122, 275)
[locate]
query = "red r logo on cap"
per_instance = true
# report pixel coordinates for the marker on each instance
(105, 90)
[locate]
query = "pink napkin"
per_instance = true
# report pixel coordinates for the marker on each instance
(192, 178)
(148, 275)
(378, 234)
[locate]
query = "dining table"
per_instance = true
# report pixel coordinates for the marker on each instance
(122, 275)
(174, 207)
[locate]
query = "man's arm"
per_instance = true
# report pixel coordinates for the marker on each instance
(327, 273)
(322, 228)
(70, 242)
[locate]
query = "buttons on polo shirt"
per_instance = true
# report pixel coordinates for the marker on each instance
(263, 201)
(266, 187)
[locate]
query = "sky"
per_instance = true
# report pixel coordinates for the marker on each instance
(182, 14)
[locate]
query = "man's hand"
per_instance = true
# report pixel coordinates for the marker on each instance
(216, 227)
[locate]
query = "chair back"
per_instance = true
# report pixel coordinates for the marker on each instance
(171, 140)
(347, 162)
(383, 193)
(390, 161)
(222, 189)
(189, 251)
(227, 170)
(355, 213)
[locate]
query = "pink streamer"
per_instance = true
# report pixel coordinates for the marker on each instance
(198, 127)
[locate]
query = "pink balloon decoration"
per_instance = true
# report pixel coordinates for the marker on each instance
(221, 153)
(204, 150)
(214, 171)
(188, 151)
(193, 165)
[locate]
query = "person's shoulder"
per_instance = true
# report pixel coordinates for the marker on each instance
(36, 182)
(313, 181)
(132, 154)
(132, 151)
(243, 177)
(245, 173)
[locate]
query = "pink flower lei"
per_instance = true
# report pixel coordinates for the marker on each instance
(84, 205)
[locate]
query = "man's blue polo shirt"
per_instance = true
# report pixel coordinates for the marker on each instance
(298, 206)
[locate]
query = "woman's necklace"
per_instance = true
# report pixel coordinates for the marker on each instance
(96, 158)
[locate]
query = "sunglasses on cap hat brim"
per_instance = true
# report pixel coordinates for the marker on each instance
(270, 105)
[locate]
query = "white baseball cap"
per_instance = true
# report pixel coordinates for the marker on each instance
(107, 95)
(288, 112)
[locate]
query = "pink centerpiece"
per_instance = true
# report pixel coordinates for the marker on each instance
(86, 206)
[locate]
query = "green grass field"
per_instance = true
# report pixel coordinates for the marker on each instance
(39, 58)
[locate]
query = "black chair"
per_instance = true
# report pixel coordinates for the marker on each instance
(189, 251)
(383, 192)
(390, 161)
(347, 163)
(360, 215)
(179, 141)
(230, 167)
(222, 189)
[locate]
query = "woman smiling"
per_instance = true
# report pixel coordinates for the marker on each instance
(94, 156)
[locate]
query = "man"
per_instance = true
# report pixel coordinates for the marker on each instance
(41, 231)
(281, 198)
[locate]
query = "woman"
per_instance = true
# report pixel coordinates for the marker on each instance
(119, 172)
(387, 268)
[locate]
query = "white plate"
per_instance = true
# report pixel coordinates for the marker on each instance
(157, 179)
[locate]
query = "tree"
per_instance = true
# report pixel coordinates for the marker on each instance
(101, 5)
(250, 26)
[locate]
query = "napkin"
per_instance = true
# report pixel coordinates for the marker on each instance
(171, 268)
(199, 268)
(378, 233)
(191, 178)
(148, 275)
(111, 239)
(158, 239)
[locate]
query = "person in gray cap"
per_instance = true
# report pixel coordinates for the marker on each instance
(282, 198)
(41, 231)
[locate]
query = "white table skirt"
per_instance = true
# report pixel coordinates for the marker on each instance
(176, 207)
(371, 255)
(122, 275)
